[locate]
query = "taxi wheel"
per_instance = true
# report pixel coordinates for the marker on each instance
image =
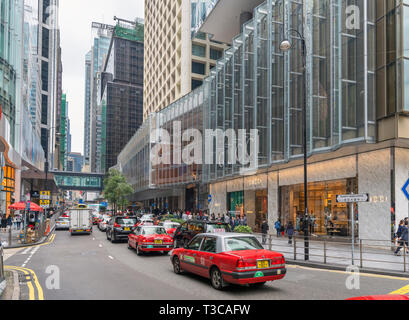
(107, 236)
(217, 279)
(176, 265)
(138, 251)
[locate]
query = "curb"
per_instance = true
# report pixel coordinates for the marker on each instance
(3, 284)
(32, 244)
(343, 268)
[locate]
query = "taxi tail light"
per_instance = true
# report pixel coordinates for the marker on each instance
(116, 225)
(243, 265)
(278, 262)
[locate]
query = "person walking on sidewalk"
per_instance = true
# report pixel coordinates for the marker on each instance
(264, 231)
(290, 232)
(403, 240)
(277, 226)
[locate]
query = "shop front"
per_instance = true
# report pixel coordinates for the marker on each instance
(327, 217)
(250, 203)
(8, 189)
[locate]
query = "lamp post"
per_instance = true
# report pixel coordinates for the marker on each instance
(285, 46)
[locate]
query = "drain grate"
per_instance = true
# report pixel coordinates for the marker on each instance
(23, 278)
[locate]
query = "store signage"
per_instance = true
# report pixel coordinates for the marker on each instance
(353, 198)
(2, 164)
(405, 189)
(35, 194)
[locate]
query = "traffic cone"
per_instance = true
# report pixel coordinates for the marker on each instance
(48, 230)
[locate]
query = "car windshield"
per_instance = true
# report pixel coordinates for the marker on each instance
(126, 221)
(215, 228)
(242, 243)
(154, 230)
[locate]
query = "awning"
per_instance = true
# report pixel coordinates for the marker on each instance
(223, 22)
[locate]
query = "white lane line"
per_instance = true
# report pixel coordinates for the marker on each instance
(30, 256)
(112, 258)
(26, 250)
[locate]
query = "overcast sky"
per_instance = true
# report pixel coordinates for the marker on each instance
(76, 17)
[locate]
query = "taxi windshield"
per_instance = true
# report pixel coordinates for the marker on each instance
(242, 243)
(151, 231)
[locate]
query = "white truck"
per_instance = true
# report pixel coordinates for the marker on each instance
(80, 221)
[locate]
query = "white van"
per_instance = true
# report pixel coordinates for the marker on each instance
(80, 221)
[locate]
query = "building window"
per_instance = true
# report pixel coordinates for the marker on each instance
(198, 50)
(198, 68)
(216, 54)
(196, 84)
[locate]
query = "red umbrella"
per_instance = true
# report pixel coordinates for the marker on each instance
(22, 206)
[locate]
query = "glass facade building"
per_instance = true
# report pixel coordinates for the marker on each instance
(356, 88)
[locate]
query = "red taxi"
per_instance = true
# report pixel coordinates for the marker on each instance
(150, 239)
(381, 298)
(229, 258)
(171, 227)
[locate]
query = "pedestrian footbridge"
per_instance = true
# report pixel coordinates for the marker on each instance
(73, 181)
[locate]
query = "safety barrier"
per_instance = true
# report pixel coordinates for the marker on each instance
(365, 253)
(1, 263)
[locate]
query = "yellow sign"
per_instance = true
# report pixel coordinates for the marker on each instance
(45, 195)
(44, 202)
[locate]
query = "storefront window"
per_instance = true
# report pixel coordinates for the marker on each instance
(327, 217)
(236, 203)
(8, 185)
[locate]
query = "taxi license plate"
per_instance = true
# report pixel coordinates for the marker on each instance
(80, 230)
(158, 241)
(127, 229)
(263, 264)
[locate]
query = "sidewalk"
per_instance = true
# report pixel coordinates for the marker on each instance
(5, 237)
(340, 255)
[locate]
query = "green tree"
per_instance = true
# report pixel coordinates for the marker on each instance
(117, 189)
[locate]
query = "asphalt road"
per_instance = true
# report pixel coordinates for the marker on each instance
(91, 268)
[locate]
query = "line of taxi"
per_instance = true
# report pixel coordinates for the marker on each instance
(222, 257)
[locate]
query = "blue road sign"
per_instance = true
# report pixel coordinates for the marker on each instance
(210, 198)
(405, 189)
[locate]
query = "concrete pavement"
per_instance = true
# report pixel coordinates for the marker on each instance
(90, 267)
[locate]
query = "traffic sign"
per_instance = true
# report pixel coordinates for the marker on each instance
(353, 198)
(210, 198)
(405, 189)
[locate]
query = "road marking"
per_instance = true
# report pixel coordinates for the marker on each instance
(369, 275)
(401, 291)
(100, 245)
(31, 291)
(112, 258)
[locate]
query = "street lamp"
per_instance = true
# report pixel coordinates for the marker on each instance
(285, 46)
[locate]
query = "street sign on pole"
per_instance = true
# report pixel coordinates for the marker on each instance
(210, 198)
(353, 198)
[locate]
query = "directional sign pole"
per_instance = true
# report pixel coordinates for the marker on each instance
(353, 233)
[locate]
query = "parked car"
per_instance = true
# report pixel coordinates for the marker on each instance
(120, 227)
(229, 258)
(188, 230)
(62, 224)
(150, 239)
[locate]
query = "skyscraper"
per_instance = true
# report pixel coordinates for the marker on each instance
(176, 58)
(101, 40)
(121, 103)
(87, 109)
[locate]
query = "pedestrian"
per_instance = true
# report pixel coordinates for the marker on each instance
(232, 223)
(3, 223)
(264, 230)
(277, 226)
(236, 222)
(10, 222)
(227, 218)
(19, 219)
(399, 231)
(290, 232)
(245, 220)
(403, 240)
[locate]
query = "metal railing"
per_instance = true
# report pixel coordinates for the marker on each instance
(371, 254)
(1, 263)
